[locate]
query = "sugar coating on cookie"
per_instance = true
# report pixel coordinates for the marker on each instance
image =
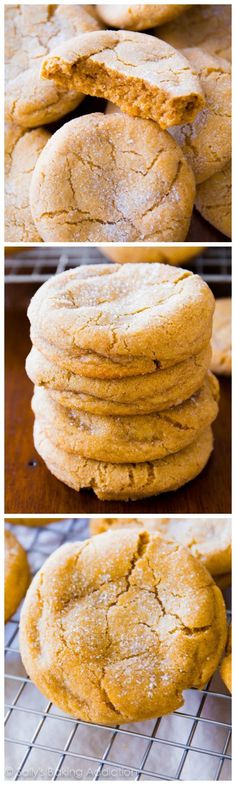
(206, 26)
(17, 574)
(108, 637)
(108, 178)
(125, 480)
(138, 17)
(22, 149)
(31, 32)
(206, 142)
(131, 395)
(129, 438)
(142, 75)
(106, 308)
(209, 539)
(214, 200)
(221, 361)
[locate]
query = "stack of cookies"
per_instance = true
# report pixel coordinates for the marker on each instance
(123, 397)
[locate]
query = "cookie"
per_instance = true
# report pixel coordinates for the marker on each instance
(206, 26)
(213, 200)
(114, 629)
(125, 481)
(175, 255)
(209, 539)
(30, 32)
(144, 76)
(138, 17)
(221, 362)
(131, 395)
(22, 150)
(206, 142)
(127, 439)
(226, 666)
(103, 196)
(17, 574)
(106, 309)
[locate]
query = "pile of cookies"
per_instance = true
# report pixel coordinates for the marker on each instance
(133, 174)
(123, 398)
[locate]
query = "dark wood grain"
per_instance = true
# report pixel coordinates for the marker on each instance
(30, 488)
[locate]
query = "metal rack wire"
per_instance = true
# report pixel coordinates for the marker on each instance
(37, 264)
(193, 743)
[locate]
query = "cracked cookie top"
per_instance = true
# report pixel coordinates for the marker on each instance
(31, 31)
(206, 25)
(138, 17)
(112, 178)
(22, 149)
(115, 628)
(206, 142)
(162, 312)
(209, 539)
(142, 75)
(214, 200)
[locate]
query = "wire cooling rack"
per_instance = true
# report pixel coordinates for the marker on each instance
(42, 743)
(37, 264)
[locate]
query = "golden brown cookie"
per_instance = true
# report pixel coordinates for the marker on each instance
(226, 665)
(221, 361)
(169, 255)
(138, 17)
(206, 142)
(103, 195)
(22, 150)
(213, 200)
(115, 628)
(17, 574)
(206, 26)
(132, 395)
(106, 309)
(144, 76)
(30, 32)
(121, 440)
(127, 480)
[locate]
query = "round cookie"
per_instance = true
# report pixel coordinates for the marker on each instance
(22, 150)
(206, 142)
(213, 200)
(226, 665)
(131, 395)
(127, 439)
(125, 481)
(17, 574)
(103, 196)
(138, 17)
(108, 634)
(206, 26)
(106, 309)
(221, 361)
(144, 76)
(209, 539)
(31, 31)
(175, 255)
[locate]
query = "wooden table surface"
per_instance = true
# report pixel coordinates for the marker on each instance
(30, 488)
